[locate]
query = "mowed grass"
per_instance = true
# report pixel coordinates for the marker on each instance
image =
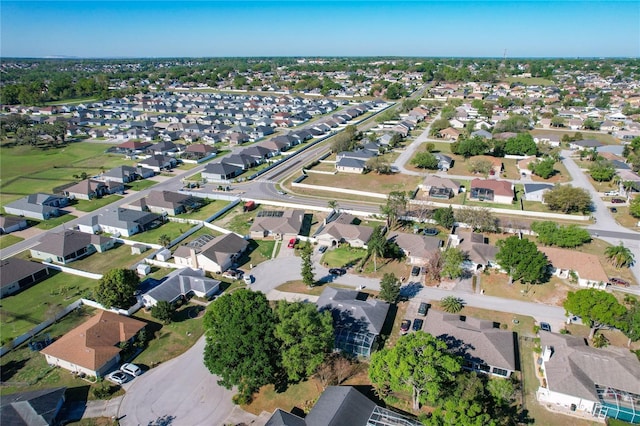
(55, 221)
(8, 240)
(25, 170)
(28, 308)
(205, 211)
(301, 395)
(96, 203)
(99, 263)
(343, 256)
(171, 229)
(370, 182)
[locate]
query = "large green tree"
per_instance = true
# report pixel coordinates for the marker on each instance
(619, 255)
(241, 345)
(389, 288)
(425, 160)
(602, 171)
(552, 234)
(116, 288)
(522, 260)
(543, 168)
(597, 308)
(307, 265)
(419, 363)
(395, 206)
(568, 199)
(305, 336)
(451, 261)
(444, 216)
(634, 207)
(522, 144)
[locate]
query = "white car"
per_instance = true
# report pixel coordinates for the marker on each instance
(131, 369)
(118, 377)
(248, 279)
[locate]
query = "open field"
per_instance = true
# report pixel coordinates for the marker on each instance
(25, 170)
(602, 137)
(205, 211)
(139, 185)
(171, 229)
(371, 182)
(553, 292)
(301, 395)
(99, 263)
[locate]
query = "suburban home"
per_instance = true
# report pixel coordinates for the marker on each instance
(220, 171)
(180, 284)
(484, 134)
(492, 190)
(444, 162)
(340, 228)
(199, 150)
(171, 203)
(216, 255)
(17, 274)
(484, 347)
(585, 144)
(37, 206)
(587, 267)
(351, 165)
(281, 225)
(163, 148)
(439, 187)
(34, 408)
(93, 348)
(67, 246)
(480, 254)
(535, 191)
(133, 147)
(9, 224)
(523, 165)
(87, 189)
(119, 221)
(602, 382)
(418, 248)
(357, 319)
(158, 163)
(342, 405)
(449, 134)
(127, 174)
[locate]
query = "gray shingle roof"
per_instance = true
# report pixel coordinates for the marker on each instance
(351, 311)
(14, 269)
(182, 282)
(341, 405)
(67, 242)
(36, 408)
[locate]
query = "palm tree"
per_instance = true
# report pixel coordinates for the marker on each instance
(333, 205)
(377, 245)
(619, 255)
(452, 304)
(164, 240)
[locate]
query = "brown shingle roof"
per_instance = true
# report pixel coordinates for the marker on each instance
(586, 265)
(94, 343)
(499, 187)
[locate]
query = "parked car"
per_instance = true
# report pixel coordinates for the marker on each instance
(118, 377)
(545, 326)
(613, 210)
(617, 201)
(232, 274)
(282, 193)
(618, 281)
(417, 324)
(248, 279)
(422, 309)
(131, 369)
(292, 243)
(322, 249)
(430, 231)
(337, 271)
(611, 193)
(415, 271)
(405, 326)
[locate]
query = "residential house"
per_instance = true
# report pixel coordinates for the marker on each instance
(67, 246)
(417, 248)
(217, 255)
(602, 382)
(535, 191)
(199, 150)
(180, 284)
(585, 144)
(342, 405)
(484, 347)
(167, 202)
(449, 134)
(523, 165)
(586, 267)
(492, 190)
(9, 224)
(480, 254)
(484, 134)
(279, 224)
(357, 319)
(87, 189)
(444, 162)
(162, 148)
(353, 161)
(37, 206)
(17, 274)
(93, 348)
(34, 408)
(158, 163)
(127, 174)
(120, 221)
(222, 171)
(134, 147)
(340, 228)
(439, 187)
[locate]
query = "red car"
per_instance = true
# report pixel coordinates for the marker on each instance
(292, 243)
(617, 200)
(618, 281)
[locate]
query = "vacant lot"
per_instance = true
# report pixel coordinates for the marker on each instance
(553, 292)
(171, 229)
(95, 204)
(602, 137)
(99, 263)
(25, 170)
(370, 182)
(205, 211)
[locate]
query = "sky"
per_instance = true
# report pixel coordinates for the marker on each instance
(98, 29)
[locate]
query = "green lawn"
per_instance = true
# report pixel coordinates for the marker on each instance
(72, 101)
(171, 229)
(99, 263)
(139, 185)
(258, 252)
(236, 220)
(91, 205)
(8, 240)
(342, 256)
(53, 222)
(194, 178)
(205, 211)
(23, 311)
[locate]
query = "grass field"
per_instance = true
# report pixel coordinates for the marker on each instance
(602, 137)
(99, 263)
(25, 170)
(205, 211)
(139, 185)
(171, 229)
(95, 204)
(343, 256)
(53, 222)
(8, 240)
(370, 182)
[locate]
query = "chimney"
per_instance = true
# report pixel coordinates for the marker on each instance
(546, 354)
(194, 258)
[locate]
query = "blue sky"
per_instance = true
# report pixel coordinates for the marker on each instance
(319, 28)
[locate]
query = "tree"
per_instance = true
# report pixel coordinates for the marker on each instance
(395, 205)
(552, 234)
(597, 308)
(389, 288)
(590, 124)
(163, 311)
(522, 260)
(452, 304)
(333, 205)
(470, 147)
(568, 199)
(522, 144)
(377, 245)
(480, 166)
(305, 335)
(425, 160)
(307, 265)
(479, 219)
(632, 319)
(602, 171)
(379, 165)
(619, 255)
(451, 261)
(116, 288)
(543, 168)
(444, 216)
(241, 346)
(634, 207)
(419, 363)
(164, 240)
(557, 122)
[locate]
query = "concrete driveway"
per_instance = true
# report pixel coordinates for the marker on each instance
(180, 392)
